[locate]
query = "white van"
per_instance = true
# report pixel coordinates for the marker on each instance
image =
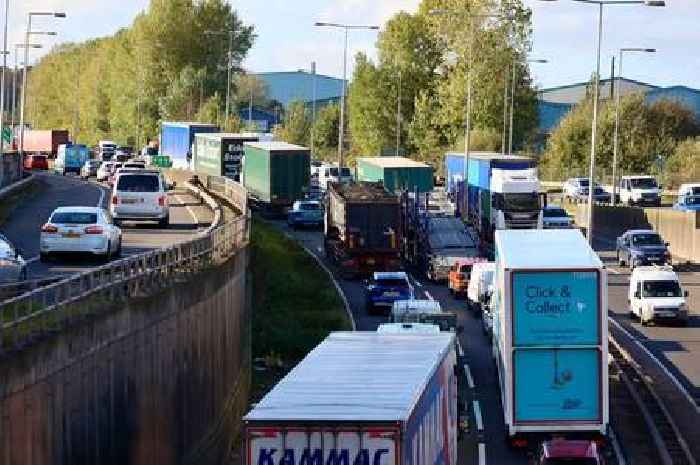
(408, 328)
(140, 195)
(688, 197)
(480, 281)
(330, 173)
(640, 190)
(655, 293)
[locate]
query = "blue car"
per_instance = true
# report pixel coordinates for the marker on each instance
(642, 247)
(307, 213)
(385, 288)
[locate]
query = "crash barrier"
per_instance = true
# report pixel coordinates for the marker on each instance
(48, 309)
(679, 228)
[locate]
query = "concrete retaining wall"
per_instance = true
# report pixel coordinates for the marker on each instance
(11, 169)
(680, 229)
(160, 380)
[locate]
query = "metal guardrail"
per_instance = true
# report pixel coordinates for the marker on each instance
(48, 309)
(230, 190)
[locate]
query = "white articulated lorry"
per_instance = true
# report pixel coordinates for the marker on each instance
(550, 335)
(362, 398)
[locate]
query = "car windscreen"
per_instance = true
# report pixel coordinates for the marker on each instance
(392, 283)
(138, 183)
(465, 269)
(134, 165)
(310, 206)
(520, 202)
(345, 172)
(661, 289)
(646, 239)
(694, 200)
(555, 213)
(644, 183)
(73, 218)
(583, 182)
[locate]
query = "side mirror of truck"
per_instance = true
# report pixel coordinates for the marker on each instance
(686, 294)
(637, 295)
(668, 244)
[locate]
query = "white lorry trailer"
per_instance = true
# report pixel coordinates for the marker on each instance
(550, 335)
(362, 398)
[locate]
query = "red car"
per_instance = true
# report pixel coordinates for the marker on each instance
(36, 162)
(569, 452)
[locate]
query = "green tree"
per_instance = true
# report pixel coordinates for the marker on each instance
(684, 164)
(325, 132)
(296, 127)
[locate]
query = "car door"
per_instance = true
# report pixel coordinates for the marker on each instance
(636, 298)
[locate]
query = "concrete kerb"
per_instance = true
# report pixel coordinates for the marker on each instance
(211, 203)
(9, 190)
(346, 304)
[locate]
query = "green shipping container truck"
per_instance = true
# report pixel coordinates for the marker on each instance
(276, 173)
(396, 173)
(221, 154)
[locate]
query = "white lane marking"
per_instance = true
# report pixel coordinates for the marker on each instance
(675, 381)
(417, 282)
(482, 453)
(459, 349)
(189, 210)
(427, 294)
(470, 379)
(320, 249)
(477, 415)
(102, 198)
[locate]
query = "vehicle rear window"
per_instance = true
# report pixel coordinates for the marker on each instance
(465, 269)
(393, 283)
(74, 218)
(555, 213)
(646, 239)
(138, 183)
(310, 206)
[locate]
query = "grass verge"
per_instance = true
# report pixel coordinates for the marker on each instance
(24, 194)
(295, 304)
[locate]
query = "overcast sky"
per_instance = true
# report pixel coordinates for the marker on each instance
(564, 33)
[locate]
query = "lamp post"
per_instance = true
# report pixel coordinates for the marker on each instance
(467, 129)
(346, 28)
(29, 33)
(5, 52)
(596, 90)
(512, 102)
(14, 79)
(618, 91)
(228, 66)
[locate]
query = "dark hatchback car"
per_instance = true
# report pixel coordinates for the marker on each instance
(642, 247)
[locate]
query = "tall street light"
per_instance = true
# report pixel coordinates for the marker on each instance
(29, 33)
(5, 52)
(467, 130)
(346, 28)
(228, 66)
(618, 91)
(512, 101)
(14, 78)
(596, 90)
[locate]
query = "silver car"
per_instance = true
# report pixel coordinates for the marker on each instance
(13, 268)
(90, 168)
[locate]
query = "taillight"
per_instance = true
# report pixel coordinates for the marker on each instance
(519, 442)
(161, 201)
(115, 200)
(49, 228)
(94, 230)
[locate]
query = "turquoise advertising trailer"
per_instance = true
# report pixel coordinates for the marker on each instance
(550, 334)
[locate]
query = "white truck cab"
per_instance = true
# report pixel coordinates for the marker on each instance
(408, 328)
(640, 190)
(515, 199)
(655, 294)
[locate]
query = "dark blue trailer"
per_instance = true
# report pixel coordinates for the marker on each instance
(177, 139)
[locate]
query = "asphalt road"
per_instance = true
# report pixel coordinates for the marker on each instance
(23, 228)
(677, 347)
(477, 351)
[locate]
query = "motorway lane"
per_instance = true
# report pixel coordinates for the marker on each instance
(187, 217)
(477, 355)
(677, 347)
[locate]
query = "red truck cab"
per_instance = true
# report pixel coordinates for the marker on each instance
(569, 452)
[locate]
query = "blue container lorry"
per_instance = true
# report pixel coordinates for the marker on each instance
(550, 336)
(339, 407)
(70, 158)
(177, 140)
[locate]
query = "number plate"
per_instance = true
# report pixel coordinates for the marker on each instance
(71, 235)
(130, 201)
(370, 261)
(391, 294)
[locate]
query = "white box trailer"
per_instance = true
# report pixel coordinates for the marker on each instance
(550, 334)
(362, 398)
